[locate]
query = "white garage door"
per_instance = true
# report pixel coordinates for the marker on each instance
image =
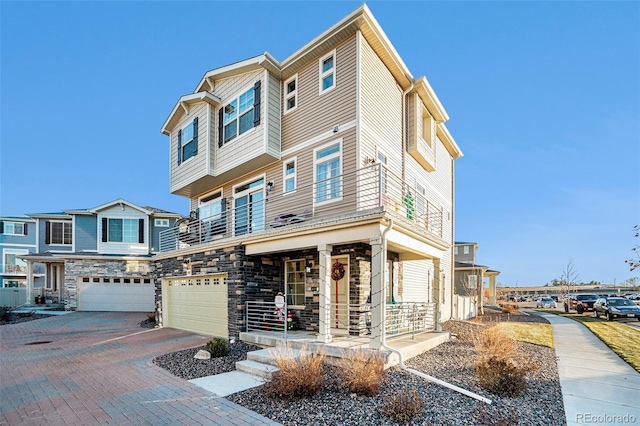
(135, 295)
(197, 304)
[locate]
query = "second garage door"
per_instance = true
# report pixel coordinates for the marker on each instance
(197, 304)
(116, 294)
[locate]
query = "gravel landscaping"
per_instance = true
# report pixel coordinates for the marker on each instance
(540, 404)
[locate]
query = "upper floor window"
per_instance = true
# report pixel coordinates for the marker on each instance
(122, 230)
(211, 206)
(327, 170)
(428, 127)
(465, 249)
(240, 115)
(289, 172)
(291, 94)
(162, 223)
(58, 233)
(455, 250)
(188, 141)
(327, 65)
(13, 228)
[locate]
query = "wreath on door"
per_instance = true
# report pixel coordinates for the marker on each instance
(337, 271)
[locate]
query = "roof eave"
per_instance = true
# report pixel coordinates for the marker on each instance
(266, 61)
(448, 141)
(183, 105)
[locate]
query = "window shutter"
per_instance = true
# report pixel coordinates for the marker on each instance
(1, 227)
(25, 227)
(220, 127)
(195, 136)
(141, 231)
(256, 103)
(179, 146)
(104, 229)
(47, 232)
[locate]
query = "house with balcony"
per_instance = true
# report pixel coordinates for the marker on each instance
(17, 237)
(469, 281)
(321, 195)
(96, 259)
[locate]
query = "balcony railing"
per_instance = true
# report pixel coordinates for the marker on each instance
(370, 189)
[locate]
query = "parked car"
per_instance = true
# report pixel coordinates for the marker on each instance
(616, 307)
(555, 298)
(546, 302)
(580, 302)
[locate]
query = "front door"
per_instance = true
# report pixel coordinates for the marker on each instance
(340, 292)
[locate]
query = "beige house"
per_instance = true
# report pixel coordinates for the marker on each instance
(327, 177)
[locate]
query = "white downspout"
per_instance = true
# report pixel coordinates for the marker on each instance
(402, 365)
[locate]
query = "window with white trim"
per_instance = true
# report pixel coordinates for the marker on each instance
(59, 233)
(465, 249)
(11, 283)
(289, 175)
(11, 263)
(14, 228)
(382, 159)
(122, 230)
(327, 172)
(248, 202)
(295, 278)
(291, 94)
(211, 211)
(162, 223)
(455, 251)
(327, 70)
(238, 116)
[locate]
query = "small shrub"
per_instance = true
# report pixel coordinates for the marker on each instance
(5, 313)
(403, 407)
(509, 307)
(500, 366)
(217, 347)
(362, 371)
(298, 377)
(488, 415)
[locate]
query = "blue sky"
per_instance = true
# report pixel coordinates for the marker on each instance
(544, 100)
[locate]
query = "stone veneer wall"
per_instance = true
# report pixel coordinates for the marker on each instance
(266, 275)
(76, 268)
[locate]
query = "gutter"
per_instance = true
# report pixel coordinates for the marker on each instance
(411, 370)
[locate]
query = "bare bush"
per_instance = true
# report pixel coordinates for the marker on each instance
(501, 367)
(403, 407)
(362, 371)
(298, 376)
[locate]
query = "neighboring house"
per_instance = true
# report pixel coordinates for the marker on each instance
(96, 259)
(327, 177)
(469, 279)
(17, 237)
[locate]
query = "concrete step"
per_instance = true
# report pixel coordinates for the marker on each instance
(265, 356)
(258, 369)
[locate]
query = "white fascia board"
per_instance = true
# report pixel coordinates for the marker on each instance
(430, 99)
(120, 201)
(188, 100)
(265, 61)
(448, 141)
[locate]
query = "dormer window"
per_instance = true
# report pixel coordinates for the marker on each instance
(327, 66)
(188, 141)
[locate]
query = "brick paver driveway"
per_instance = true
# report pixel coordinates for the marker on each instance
(97, 369)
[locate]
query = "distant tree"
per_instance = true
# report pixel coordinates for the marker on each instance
(634, 262)
(556, 282)
(569, 278)
(633, 282)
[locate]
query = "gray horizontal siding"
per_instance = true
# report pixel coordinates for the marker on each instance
(86, 233)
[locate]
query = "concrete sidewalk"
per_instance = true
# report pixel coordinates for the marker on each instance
(598, 387)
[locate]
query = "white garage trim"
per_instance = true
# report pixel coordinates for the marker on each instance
(116, 294)
(197, 304)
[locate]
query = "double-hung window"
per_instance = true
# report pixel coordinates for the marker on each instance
(188, 141)
(13, 228)
(291, 94)
(328, 170)
(289, 175)
(295, 280)
(59, 233)
(327, 69)
(240, 115)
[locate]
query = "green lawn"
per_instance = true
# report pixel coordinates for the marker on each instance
(536, 333)
(622, 339)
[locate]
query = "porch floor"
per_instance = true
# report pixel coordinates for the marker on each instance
(408, 345)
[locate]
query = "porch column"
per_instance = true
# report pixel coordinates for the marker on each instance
(29, 282)
(492, 289)
(378, 289)
(436, 296)
(324, 320)
(480, 289)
